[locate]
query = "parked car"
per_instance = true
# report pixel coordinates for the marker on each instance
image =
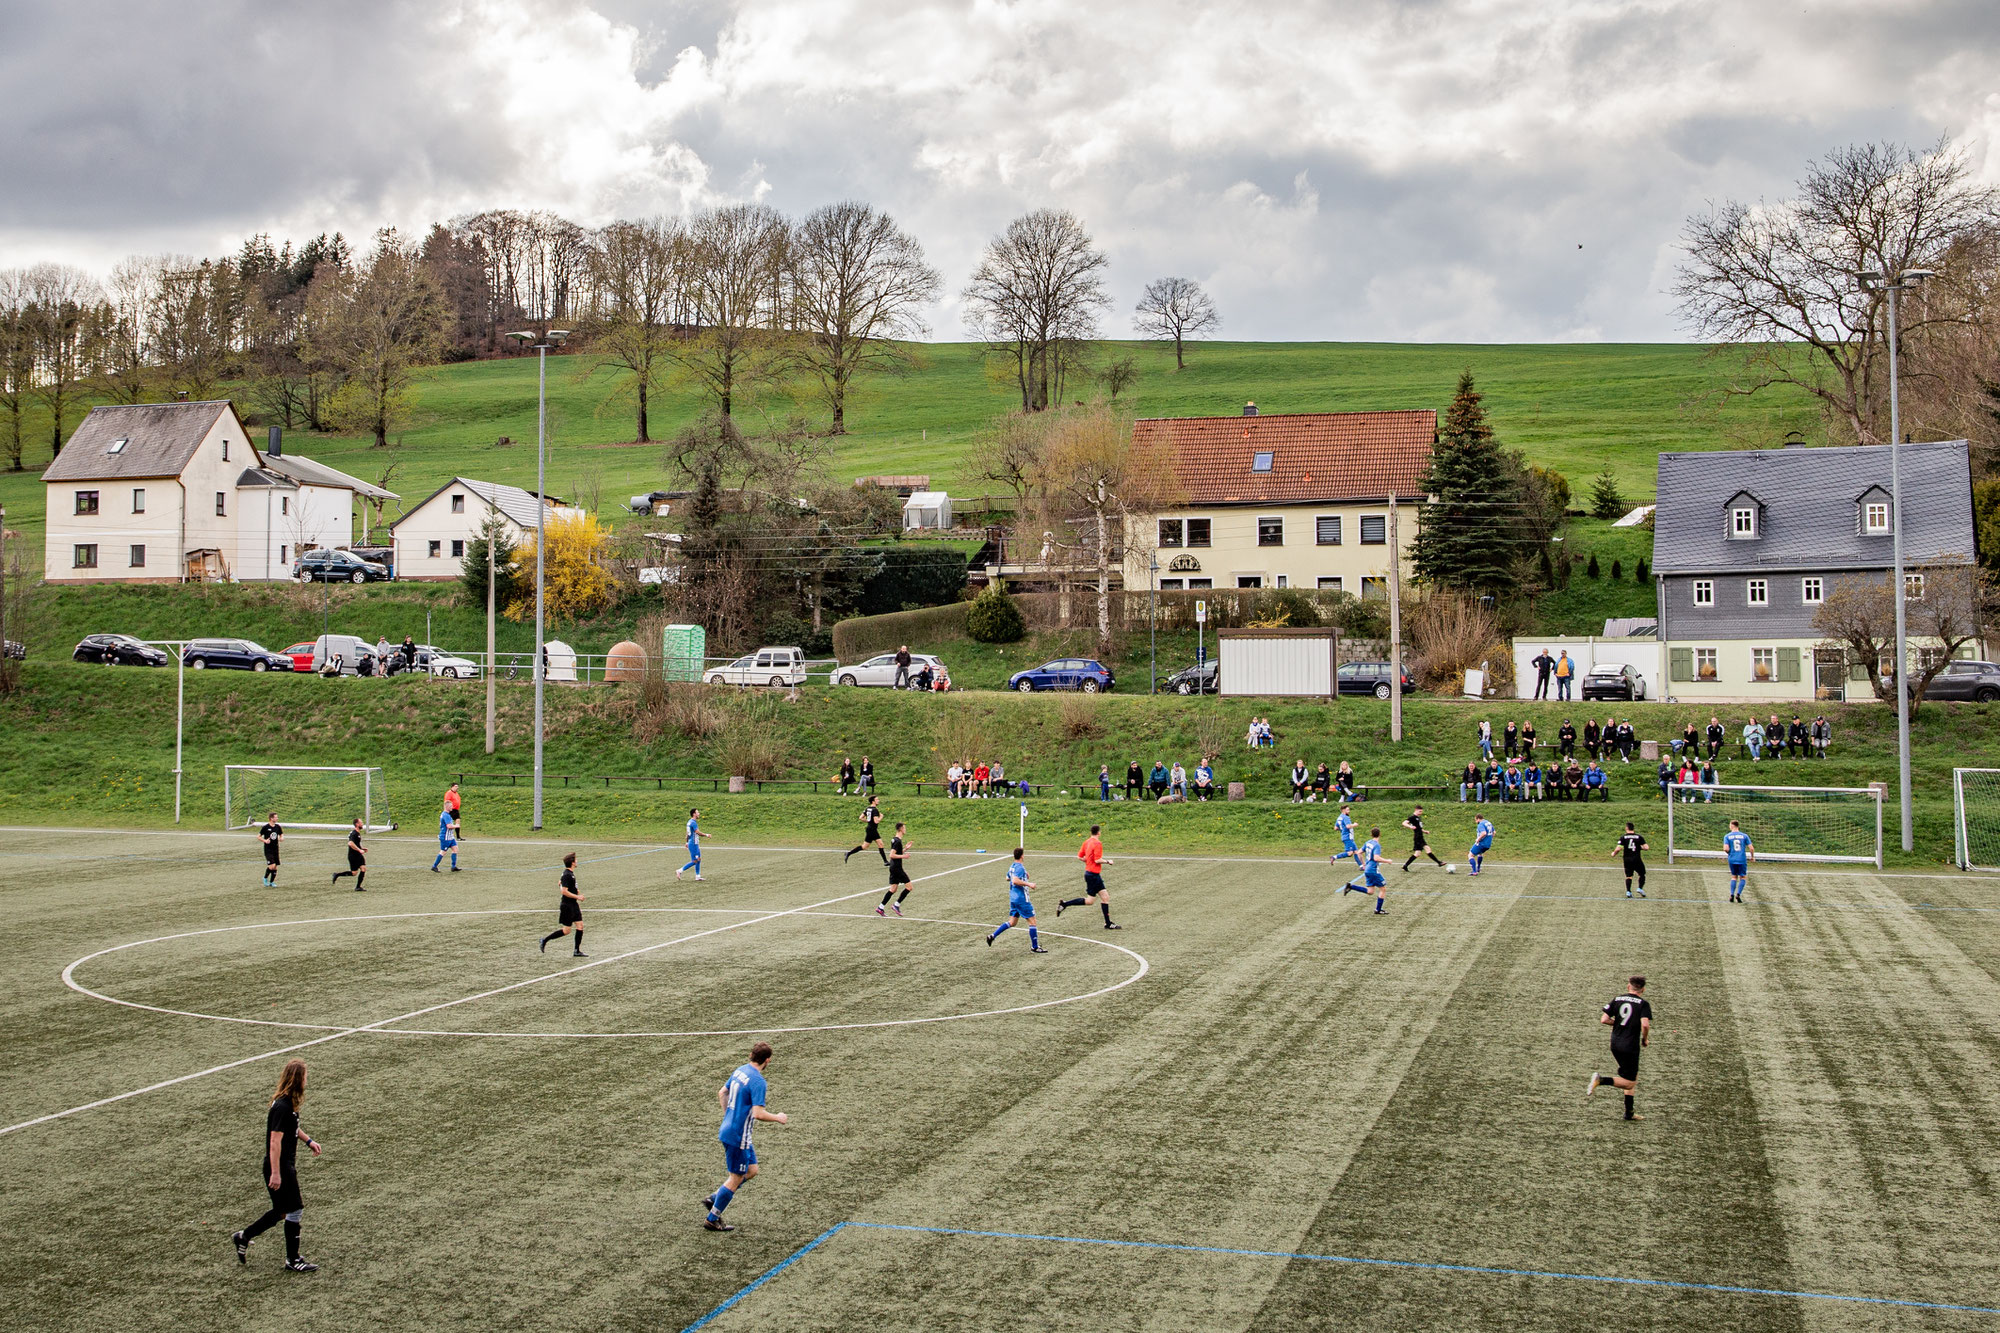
(1613, 680)
(1065, 673)
(766, 666)
(356, 654)
(1202, 678)
(1978, 681)
(118, 650)
(337, 567)
(237, 654)
(301, 655)
(881, 669)
(438, 662)
(17, 651)
(1368, 678)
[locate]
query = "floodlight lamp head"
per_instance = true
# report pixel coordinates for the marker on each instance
(524, 336)
(558, 335)
(1915, 274)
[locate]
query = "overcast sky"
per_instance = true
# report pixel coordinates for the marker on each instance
(1433, 170)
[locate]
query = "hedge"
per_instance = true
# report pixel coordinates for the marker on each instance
(864, 636)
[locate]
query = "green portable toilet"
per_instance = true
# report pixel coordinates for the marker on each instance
(683, 649)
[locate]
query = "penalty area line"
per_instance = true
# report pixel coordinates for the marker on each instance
(384, 1023)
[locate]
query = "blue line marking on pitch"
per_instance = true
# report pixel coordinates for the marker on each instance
(1479, 1269)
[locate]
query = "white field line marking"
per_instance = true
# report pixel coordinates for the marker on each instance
(449, 1004)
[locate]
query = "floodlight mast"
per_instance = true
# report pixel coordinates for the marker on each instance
(552, 338)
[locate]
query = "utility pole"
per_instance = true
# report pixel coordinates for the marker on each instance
(1153, 624)
(491, 662)
(1395, 627)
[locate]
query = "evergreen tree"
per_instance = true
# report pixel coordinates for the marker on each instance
(1606, 501)
(1591, 568)
(1644, 572)
(1617, 569)
(1474, 531)
(506, 574)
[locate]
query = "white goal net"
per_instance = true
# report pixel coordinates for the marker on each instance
(1975, 814)
(1784, 823)
(303, 797)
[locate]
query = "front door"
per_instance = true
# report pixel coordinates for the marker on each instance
(1830, 675)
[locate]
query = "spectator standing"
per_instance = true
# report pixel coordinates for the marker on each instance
(1590, 737)
(1485, 739)
(1104, 782)
(1135, 780)
(1566, 740)
(1543, 665)
(1753, 739)
(902, 665)
(1471, 783)
(1565, 672)
(1511, 739)
(1715, 734)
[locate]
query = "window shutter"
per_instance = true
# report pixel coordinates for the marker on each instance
(1680, 664)
(1788, 665)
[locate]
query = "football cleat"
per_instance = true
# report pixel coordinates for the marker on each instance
(242, 1244)
(301, 1266)
(716, 1224)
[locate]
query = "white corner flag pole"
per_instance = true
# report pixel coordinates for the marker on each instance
(1024, 825)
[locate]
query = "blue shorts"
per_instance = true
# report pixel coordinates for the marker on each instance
(1018, 905)
(1347, 847)
(1738, 869)
(1483, 846)
(694, 851)
(738, 1161)
(446, 844)
(1373, 878)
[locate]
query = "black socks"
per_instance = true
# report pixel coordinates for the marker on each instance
(1628, 1106)
(551, 937)
(884, 855)
(579, 942)
(263, 1224)
(1106, 907)
(292, 1230)
(851, 852)
(1074, 902)
(904, 894)
(889, 893)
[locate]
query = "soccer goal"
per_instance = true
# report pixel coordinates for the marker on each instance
(305, 797)
(1784, 823)
(1975, 816)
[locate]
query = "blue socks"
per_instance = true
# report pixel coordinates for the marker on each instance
(722, 1198)
(454, 860)
(694, 866)
(1034, 940)
(438, 860)
(1000, 930)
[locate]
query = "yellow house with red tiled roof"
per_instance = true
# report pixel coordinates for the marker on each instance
(1293, 500)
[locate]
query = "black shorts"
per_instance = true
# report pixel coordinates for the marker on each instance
(355, 860)
(285, 1198)
(898, 875)
(1627, 1058)
(570, 913)
(1634, 866)
(872, 833)
(1093, 883)
(270, 853)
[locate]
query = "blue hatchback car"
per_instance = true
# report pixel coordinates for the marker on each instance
(1065, 673)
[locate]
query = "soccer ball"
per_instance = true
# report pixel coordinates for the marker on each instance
(1451, 868)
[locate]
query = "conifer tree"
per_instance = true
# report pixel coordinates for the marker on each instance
(1473, 532)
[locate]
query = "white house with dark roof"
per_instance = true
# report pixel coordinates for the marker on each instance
(166, 492)
(1747, 545)
(432, 538)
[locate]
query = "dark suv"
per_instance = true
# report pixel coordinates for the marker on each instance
(1977, 681)
(337, 567)
(1204, 678)
(1369, 678)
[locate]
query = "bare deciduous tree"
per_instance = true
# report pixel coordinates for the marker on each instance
(638, 273)
(121, 366)
(377, 324)
(194, 321)
(1766, 278)
(1035, 299)
(64, 300)
(857, 283)
(737, 257)
(1175, 310)
(17, 363)
(1941, 616)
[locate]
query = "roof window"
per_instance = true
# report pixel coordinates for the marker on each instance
(117, 446)
(1260, 462)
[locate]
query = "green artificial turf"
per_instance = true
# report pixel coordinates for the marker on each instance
(1346, 1120)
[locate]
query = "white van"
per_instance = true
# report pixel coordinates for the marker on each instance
(351, 649)
(766, 666)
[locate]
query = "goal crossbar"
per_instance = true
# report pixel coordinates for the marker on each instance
(305, 796)
(1975, 824)
(1774, 806)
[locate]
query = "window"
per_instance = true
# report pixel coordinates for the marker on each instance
(225, 451)
(1812, 591)
(1374, 589)
(221, 504)
(1331, 585)
(281, 554)
(457, 549)
(1326, 529)
(1875, 518)
(1171, 530)
(1260, 462)
(1270, 532)
(1374, 529)
(1759, 592)
(1913, 587)
(1200, 583)
(138, 501)
(1170, 585)
(138, 560)
(86, 502)
(437, 549)
(1704, 663)
(1197, 532)
(458, 504)
(1249, 581)
(117, 446)
(1704, 592)
(1743, 521)
(284, 504)
(86, 557)
(1763, 663)
(1284, 581)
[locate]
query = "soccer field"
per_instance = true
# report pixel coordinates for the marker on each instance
(1258, 1106)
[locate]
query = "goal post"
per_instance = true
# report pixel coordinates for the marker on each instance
(1975, 818)
(305, 796)
(1825, 824)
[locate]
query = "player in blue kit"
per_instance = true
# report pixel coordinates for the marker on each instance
(1345, 826)
(742, 1101)
(1482, 843)
(1018, 906)
(1370, 860)
(1736, 845)
(447, 842)
(694, 847)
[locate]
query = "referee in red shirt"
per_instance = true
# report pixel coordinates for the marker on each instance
(1092, 856)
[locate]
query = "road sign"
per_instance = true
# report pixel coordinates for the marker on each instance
(1201, 613)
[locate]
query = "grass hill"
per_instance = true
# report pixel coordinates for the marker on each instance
(1577, 407)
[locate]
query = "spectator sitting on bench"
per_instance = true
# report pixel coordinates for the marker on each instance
(1343, 782)
(1177, 782)
(1688, 776)
(1528, 739)
(1495, 783)
(1301, 780)
(1322, 784)
(1667, 775)
(1596, 780)
(1531, 779)
(1513, 780)
(1774, 737)
(1573, 782)
(1204, 781)
(1753, 739)
(1709, 778)
(1471, 782)
(1135, 780)
(1158, 779)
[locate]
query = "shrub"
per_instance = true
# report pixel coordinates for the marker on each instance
(1591, 568)
(862, 635)
(785, 629)
(1617, 569)
(961, 733)
(1452, 632)
(675, 708)
(750, 753)
(993, 617)
(914, 575)
(1643, 572)
(1078, 715)
(1606, 500)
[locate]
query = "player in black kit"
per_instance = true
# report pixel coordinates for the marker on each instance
(569, 909)
(271, 835)
(357, 859)
(1630, 1019)
(279, 1170)
(898, 874)
(1631, 844)
(1418, 847)
(871, 831)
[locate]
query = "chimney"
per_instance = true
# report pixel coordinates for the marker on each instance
(180, 395)
(276, 448)
(1250, 409)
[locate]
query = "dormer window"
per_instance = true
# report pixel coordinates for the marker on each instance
(117, 446)
(1260, 462)
(1875, 518)
(1743, 521)
(1743, 517)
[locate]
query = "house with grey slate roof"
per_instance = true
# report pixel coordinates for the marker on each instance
(1747, 544)
(432, 537)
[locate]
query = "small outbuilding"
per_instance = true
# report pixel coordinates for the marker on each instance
(927, 509)
(1298, 663)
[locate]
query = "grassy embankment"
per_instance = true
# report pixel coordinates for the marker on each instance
(95, 747)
